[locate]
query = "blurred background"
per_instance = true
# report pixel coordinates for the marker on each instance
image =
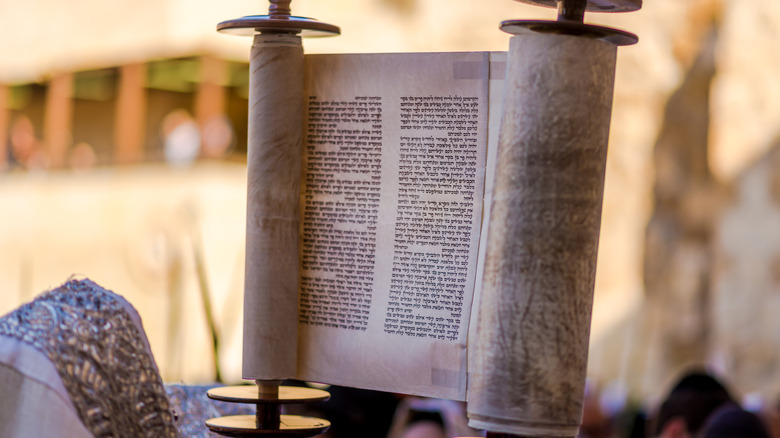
(123, 145)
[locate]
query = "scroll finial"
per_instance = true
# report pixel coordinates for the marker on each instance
(278, 20)
(279, 8)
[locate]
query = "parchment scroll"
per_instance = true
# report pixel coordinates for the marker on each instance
(274, 173)
(528, 360)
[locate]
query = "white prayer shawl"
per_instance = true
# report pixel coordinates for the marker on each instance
(75, 363)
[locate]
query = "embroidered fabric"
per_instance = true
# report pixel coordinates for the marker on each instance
(193, 408)
(101, 357)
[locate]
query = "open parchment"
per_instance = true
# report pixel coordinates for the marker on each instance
(395, 153)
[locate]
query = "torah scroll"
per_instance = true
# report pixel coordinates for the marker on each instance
(529, 360)
(273, 213)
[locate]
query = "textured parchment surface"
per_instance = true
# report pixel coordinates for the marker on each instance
(529, 360)
(274, 172)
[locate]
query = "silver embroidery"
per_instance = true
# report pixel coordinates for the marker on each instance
(194, 408)
(101, 358)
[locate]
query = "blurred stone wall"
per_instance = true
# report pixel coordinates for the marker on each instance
(745, 145)
(712, 239)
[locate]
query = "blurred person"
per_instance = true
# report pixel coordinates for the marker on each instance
(731, 421)
(181, 137)
(424, 429)
(690, 402)
(771, 416)
(26, 150)
(217, 136)
(596, 422)
(353, 412)
(420, 417)
(82, 157)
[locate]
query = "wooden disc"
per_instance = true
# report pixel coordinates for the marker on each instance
(252, 24)
(249, 394)
(245, 425)
(614, 36)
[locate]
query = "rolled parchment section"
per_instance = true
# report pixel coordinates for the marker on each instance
(530, 354)
(273, 196)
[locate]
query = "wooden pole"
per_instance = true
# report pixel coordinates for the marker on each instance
(58, 119)
(130, 122)
(210, 102)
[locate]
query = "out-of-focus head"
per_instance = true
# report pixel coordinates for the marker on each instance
(731, 421)
(694, 398)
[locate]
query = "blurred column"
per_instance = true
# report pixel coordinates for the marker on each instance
(130, 122)
(5, 116)
(58, 118)
(210, 104)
